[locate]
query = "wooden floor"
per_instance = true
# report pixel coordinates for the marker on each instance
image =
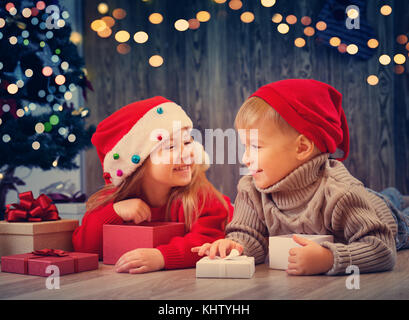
(266, 284)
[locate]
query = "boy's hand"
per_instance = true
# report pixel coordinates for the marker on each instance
(310, 259)
(140, 261)
(222, 247)
(135, 210)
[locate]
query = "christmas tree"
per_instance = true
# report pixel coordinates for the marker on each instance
(40, 70)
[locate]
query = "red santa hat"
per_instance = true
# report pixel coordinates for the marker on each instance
(127, 137)
(311, 107)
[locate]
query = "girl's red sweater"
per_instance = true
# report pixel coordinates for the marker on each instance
(207, 228)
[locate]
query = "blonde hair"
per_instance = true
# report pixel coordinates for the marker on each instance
(255, 112)
(190, 196)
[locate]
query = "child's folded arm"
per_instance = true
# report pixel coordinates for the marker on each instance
(248, 229)
(370, 242)
(88, 236)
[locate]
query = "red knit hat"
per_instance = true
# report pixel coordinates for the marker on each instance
(311, 107)
(127, 137)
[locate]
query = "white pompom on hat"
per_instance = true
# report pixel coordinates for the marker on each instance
(125, 139)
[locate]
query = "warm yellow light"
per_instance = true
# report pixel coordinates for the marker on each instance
(335, 41)
(156, 61)
(76, 37)
(26, 12)
(399, 58)
(247, 17)
(203, 16)
(219, 1)
(283, 28)
(352, 49)
(122, 36)
(181, 25)
(155, 18)
(60, 79)
(98, 25)
(268, 3)
(384, 59)
(235, 4)
(373, 43)
(372, 80)
(103, 8)
(12, 88)
(13, 40)
(277, 18)
(386, 10)
(321, 25)
(140, 37)
(353, 13)
(299, 42)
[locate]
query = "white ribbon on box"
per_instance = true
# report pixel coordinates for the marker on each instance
(234, 255)
(222, 267)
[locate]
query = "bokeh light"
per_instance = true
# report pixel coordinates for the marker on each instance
(141, 37)
(155, 18)
(181, 25)
(122, 36)
(103, 8)
(247, 17)
(156, 61)
(119, 14)
(372, 80)
(386, 10)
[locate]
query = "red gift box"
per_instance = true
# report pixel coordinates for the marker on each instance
(36, 265)
(118, 239)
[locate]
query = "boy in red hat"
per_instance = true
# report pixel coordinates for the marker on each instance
(153, 172)
(295, 187)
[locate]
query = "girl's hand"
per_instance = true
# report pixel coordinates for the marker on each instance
(140, 261)
(310, 259)
(134, 210)
(221, 247)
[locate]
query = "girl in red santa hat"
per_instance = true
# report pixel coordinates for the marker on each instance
(154, 171)
(296, 187)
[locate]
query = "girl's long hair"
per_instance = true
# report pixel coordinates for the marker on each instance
(192, 196)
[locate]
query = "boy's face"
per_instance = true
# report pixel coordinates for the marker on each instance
(271, 156)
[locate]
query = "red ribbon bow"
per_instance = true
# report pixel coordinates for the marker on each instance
(32, 210)
(50, 253)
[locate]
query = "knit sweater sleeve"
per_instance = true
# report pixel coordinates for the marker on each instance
(209, 227)
(370, 244)
(248, 229)
(88, 236)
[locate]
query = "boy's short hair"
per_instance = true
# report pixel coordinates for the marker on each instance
(255, 112)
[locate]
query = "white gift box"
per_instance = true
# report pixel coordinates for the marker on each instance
(233, 266)
(280, 245)
(71, 210)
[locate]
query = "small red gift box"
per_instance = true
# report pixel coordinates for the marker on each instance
(118, 239)
(36, 263)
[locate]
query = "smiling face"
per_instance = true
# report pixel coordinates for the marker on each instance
(276, 149)
(171, 165)
(270, 156)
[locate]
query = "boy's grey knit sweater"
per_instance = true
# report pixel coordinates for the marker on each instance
(319, 197)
